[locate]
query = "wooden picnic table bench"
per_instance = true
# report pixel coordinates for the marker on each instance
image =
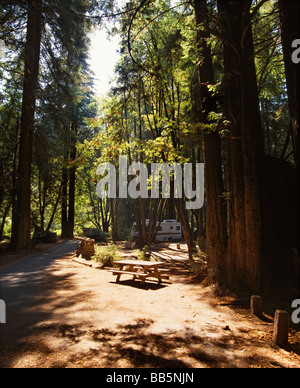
(141, 270)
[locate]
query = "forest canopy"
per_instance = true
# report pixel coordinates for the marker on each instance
(199, 81)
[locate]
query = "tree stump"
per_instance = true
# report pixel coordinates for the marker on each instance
(178, 246)
(257, 305)
(89, 249)
(86, 248)
(281, 328)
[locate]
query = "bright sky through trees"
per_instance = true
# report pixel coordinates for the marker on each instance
(103, 58)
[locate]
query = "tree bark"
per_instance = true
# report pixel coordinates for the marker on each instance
(54, 210)
(72, 182)
(4, 216)
(69, 185)
(186, 228)
(246, 146)
(21, 238)
(64, 200)
(216, 223)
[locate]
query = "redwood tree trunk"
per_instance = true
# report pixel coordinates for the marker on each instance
(236, 226)
(69, 185)
(245, 247)
(253, 145)
(64, 202)
(216, 223)
(186, 228)
(21, 238)
(72, 185)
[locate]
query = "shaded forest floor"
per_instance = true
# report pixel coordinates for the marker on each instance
(62, 313)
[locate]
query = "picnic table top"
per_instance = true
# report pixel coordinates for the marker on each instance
(140, 263)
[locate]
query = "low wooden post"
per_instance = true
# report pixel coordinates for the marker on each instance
(257, 305)
(86, 248)
(178, 246)
(89, 249)
(281, 328)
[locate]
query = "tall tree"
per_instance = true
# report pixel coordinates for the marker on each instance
(247, 159)
(216, 222)
(21, 237)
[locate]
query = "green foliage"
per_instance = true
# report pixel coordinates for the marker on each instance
(149, 116)
(65, 101)
(199, 270)
(143, 254)
(106, 255)
(271, 78)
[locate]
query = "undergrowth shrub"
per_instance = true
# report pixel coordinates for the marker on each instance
(106, 255)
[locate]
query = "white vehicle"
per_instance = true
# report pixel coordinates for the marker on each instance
(168, 230)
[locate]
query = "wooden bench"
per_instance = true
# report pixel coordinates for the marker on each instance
(139, 270)
(163, 270)
(160, 270)
(163, 273)
(140, 275)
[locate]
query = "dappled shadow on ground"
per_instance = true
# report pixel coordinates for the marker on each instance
(26, 313)
(33, 334)
(29, 290)
(132, 345)
(135, 346)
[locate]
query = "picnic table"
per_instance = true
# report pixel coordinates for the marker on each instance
(141, 270)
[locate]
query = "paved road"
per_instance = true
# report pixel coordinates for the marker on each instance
(20, 284)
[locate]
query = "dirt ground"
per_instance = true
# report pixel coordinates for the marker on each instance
(75, 315)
